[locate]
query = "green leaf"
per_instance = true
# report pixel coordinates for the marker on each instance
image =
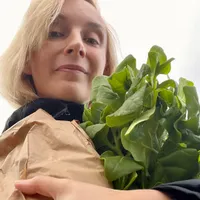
(192, 102)
(119, 81)
(128, 61)
(134, 86)
(164, 68)
(132, 179)
(162, 58)
(192, 124)
(106, 96)
(168, 147)
(107, 154)
(179, 165)
(107, 111)
(98, 82)
(153, 60)
(191, 139)
(94, 129)
(138, 138)
(96, 111)
(99, 135)
(150, 97)
(118, 166)
(84, 125)
(169, 85)
(87, 116)
(181, 95)
(167, 96)
(137, 83)
(128, 111)
(170, 117)
(145, 116)
(145, 69)
(192, 121)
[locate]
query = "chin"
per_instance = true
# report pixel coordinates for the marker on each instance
(76, 92)
(75, 96)
(73, 92)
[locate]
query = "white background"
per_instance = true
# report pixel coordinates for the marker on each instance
(172, 24)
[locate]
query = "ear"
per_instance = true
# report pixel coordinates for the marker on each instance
(106, 71)
(27, 69)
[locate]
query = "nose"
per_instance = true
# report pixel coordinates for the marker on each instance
(75, 45)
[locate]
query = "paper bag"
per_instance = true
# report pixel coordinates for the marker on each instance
(41, 145)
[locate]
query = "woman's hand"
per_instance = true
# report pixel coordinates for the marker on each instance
(65, 189)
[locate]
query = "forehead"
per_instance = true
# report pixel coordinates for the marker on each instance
(80, 11)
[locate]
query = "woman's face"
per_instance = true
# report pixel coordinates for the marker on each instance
(73, 54)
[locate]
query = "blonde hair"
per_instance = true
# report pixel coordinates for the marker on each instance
(17, 87)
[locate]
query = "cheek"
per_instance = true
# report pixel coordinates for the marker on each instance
(41, 62)
(40, 72)
(98, 62)
(37, 68)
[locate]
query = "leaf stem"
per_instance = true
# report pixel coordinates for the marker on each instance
(123, 182)
(114, 148)
(133, 178)
(116, 141)
(143, 180)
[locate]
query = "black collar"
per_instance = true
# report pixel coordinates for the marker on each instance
(58, 109)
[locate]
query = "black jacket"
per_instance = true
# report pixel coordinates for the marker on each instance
(62, 110)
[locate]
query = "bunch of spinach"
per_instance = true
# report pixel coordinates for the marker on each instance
(146, 132)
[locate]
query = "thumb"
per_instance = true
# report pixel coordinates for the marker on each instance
(43, 185)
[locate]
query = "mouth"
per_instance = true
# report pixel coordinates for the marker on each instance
(72, 67)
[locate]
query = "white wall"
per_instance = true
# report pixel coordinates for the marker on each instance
(171, 24)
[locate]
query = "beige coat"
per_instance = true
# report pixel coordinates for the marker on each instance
(40, 145)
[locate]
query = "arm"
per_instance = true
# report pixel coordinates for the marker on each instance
(142, 195)
(62, 189)
(180, 190)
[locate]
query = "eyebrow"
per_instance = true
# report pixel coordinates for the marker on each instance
(91, 25)
(94, 25)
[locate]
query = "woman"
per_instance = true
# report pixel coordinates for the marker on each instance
(61, 46)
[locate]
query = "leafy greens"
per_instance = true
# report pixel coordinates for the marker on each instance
(146, 132)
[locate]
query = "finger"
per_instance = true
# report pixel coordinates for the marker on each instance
(43, 185)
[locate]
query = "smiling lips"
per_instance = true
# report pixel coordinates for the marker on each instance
(72, 67)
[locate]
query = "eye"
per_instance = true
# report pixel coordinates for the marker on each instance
(55, 34)
(92, 41)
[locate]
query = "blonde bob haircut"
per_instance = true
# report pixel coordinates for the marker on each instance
(16, 87)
